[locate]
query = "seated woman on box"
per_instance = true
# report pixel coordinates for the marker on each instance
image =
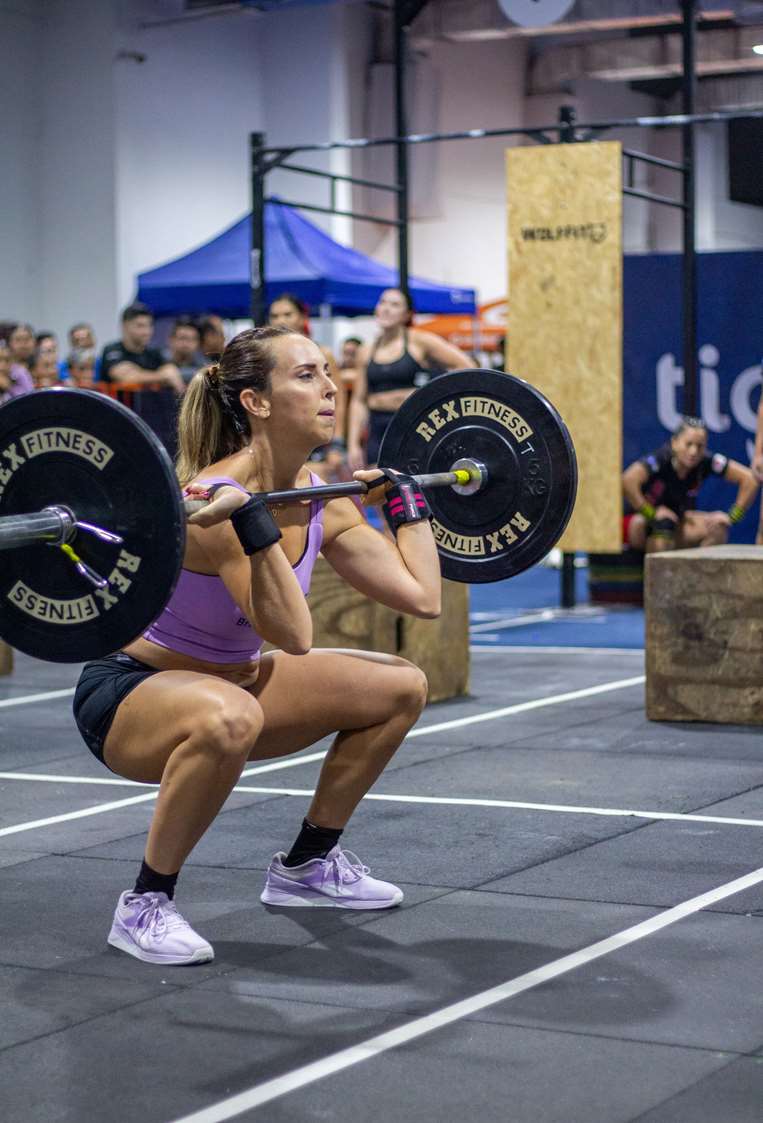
(661, 491)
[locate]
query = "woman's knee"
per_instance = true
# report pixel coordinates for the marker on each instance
(229, 724)
(412, 688)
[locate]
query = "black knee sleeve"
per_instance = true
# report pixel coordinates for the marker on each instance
(664, 528)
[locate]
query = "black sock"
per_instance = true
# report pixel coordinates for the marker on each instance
(311, 842)
(149, 881)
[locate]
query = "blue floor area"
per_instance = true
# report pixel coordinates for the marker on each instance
(525, 611)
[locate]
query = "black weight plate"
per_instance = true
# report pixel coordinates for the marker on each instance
(513, 522)
(84, 451)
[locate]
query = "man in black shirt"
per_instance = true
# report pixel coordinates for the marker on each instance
(661, 490)
(131, 359)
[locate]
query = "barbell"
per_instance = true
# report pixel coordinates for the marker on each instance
(92, 520)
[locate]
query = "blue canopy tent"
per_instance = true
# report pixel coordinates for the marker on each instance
(299, 258)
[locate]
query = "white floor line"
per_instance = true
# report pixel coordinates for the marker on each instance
(531, 649)
(556, 808)
(536, 616)
(374, 1046)
(100, 808)
(446, 801)
(295, 762)
(36, 697)
(541, 616)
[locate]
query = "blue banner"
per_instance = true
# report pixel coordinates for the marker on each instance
(730, 345)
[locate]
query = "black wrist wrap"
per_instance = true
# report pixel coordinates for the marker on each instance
(405, 502)
(255, 526)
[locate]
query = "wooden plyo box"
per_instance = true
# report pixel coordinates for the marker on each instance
(704, 635)
(343, 617)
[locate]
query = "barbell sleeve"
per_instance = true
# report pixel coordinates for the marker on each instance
(461, 476)
(54, 525)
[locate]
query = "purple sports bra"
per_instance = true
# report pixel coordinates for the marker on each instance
(202, 619)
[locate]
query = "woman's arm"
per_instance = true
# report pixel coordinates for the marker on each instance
(438, 351)
(757, 456)
(634, 478)
(403, 574)
(264, 586)
(737, 473)
(358, 413)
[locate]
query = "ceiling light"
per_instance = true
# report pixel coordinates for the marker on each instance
(758, 48)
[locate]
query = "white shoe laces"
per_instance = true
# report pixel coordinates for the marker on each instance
(345, 867)
(158, 918)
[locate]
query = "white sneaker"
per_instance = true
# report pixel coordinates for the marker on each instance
(149, 926)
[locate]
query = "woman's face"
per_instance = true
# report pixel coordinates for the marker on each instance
(21, 344)
(283, 314)
(689, 447)
(302, 396)
(392, 309)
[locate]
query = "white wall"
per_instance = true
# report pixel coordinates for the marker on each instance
(20, 131)
(77, 218)
(182, 123)
(112, 166)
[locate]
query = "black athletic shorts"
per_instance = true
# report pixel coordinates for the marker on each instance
(103, 684)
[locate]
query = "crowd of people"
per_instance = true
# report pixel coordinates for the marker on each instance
(372, 382)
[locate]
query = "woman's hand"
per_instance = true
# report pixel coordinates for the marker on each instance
(223, 502)
(377, 496)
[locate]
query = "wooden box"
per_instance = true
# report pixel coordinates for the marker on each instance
(343, 617)
(704, 635)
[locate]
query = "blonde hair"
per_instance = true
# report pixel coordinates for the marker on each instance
(212, 423)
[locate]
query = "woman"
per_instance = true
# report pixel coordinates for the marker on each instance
(662, 488)
(191, 701)
(288, 311)
(390, 371)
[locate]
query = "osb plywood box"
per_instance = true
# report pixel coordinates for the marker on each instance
(704, 635)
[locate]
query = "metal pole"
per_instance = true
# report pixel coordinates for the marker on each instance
(474, 478)
(52, 524)
(567, 592)
(257, 260)
(401, 147)
(688, 39)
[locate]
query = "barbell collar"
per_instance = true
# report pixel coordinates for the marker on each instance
(54, 525)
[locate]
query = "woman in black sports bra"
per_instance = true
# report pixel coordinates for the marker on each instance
(389, 371)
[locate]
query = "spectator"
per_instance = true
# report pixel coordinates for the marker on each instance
(184, 348)
(22, 346)
(81, 368)
(81, 336)
(289, 311)
(661, 491)
(44, 369)
(81, 339)
(47, 343)
(5, 375)
(400, 360)
(132, 360)
(212, 334)
(350, 355)
(15, 380)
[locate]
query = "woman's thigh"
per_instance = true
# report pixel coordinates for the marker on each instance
(307, 697)
(162, 712)
(691, 529)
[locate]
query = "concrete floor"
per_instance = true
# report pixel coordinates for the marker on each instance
(664, 1028)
